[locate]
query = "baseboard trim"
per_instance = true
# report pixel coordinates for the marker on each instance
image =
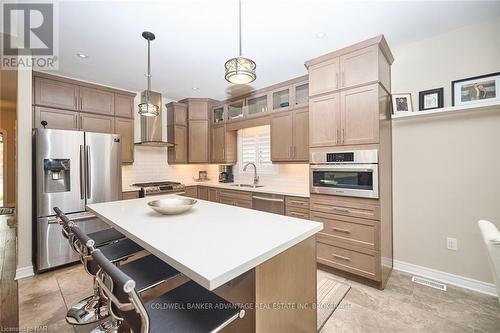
(448, 278)
(24, 272)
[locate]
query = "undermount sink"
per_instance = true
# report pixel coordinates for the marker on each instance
(247, 185)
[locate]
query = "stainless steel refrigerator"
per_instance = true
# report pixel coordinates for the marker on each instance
(72, 169)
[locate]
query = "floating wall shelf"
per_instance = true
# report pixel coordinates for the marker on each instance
(491, 106)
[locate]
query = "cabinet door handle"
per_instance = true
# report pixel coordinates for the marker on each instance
(343, 135)
(345, 231)
(343, 78)
(345, 210)
(293, 151)
(81, 103)
(337, 84)
(223, 153)
(76, 102)
(341, 257)
(337, 137)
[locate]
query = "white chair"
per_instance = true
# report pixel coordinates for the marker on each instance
(491, 237)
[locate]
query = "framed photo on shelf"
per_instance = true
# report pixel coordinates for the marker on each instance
(401, 103)
(430, 99)
(478, 89)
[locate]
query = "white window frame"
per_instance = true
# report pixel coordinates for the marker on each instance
(256, 133)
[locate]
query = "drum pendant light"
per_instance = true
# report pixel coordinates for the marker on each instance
(147, 108)
(240, 70)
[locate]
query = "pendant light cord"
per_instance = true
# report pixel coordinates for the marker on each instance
(149, 72)
(239, 7)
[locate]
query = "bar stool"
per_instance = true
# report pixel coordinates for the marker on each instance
(101, 237)
(187, 308)
(94, 308)
(149, 271)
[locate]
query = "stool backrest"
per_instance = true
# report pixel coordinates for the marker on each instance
(64, 222)
(84, 245)
(491, 238)
(119, 288)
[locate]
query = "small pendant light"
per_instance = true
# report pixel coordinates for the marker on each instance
(240, 70)
(147, 108)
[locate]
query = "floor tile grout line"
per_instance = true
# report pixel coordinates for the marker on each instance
(64, 300)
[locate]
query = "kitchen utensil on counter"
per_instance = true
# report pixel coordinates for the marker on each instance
(172, 206)
(226, 174)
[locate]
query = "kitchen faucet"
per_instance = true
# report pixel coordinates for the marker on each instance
(255, 177)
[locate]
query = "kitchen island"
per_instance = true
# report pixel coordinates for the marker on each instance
(265, 261)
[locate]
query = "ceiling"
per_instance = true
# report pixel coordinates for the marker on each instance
(195, 38)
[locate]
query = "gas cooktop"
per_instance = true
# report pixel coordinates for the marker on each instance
(160, 187)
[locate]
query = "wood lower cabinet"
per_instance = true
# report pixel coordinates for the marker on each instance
(203, 192)
(290, 136)
(198, 141)
(55, 94)
(236, 198)
(124, 106)
(97, 123)
(360, 115)
(55, 118)
(213, 194)
(223, 145)
(191, 191)
(130, 195)
(97, 101)
(125, 127)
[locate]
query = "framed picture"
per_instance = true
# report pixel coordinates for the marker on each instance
(430, 99)
(478, 89)
(401, 103)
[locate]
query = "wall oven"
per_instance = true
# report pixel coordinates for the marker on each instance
(348, 173)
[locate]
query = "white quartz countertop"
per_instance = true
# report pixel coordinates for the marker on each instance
(290, 190)
(210, 244)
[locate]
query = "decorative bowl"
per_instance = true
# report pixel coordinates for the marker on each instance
(171, 206)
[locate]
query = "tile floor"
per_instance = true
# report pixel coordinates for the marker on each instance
(402, 307)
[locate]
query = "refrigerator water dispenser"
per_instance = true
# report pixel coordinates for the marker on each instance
(56, 175)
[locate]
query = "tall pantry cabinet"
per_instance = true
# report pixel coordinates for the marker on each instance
(349, 109)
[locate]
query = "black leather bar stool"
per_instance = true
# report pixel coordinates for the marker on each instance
(189, 308)
(101, 237)
(149, 270)
(94, 308)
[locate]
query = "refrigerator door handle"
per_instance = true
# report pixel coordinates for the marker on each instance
(82, 178)
(88, 173)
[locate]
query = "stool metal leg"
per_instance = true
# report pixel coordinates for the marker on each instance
(89, 310)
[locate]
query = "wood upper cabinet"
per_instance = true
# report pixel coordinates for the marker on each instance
(301, 135)
(97, 101)
(97, 123)
(324, 120)
(178, 135)
(290, 136)
(125, 127)
(177, 114)
(281, 137)
(324, 77)
(360, 115)
(223, 145)
(55, 118)
(359, 67)
(55, 94)
(198, 141)
(124, 106)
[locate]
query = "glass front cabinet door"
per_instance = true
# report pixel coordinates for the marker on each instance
(235, 110)
(218, 114)
(301, 94)
(257, 105)
(281, 99)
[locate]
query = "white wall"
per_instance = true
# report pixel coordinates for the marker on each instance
(446, 169)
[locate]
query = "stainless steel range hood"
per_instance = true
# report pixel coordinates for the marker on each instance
(151, 127)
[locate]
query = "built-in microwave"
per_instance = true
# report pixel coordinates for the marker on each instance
(348, 173)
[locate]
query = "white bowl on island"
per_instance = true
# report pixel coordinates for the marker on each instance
(171, 206)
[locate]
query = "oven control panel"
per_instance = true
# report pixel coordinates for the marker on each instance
(340, 157)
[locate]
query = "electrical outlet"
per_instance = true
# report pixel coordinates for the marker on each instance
(451, 244)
